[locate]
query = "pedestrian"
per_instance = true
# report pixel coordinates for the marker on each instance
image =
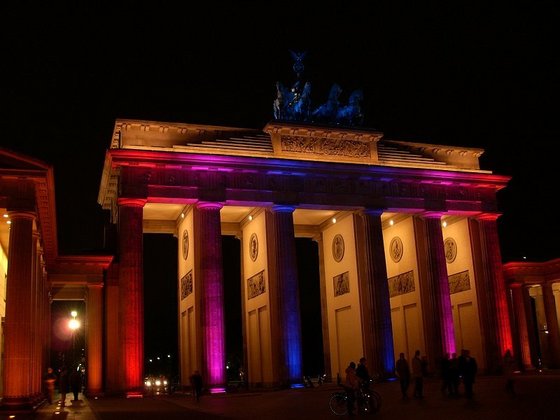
(76, 382)
(403, 372)
(509, 370)
(50, 379)
(196, 384)
(351, 385)
(467, 369)
(63, 384)
(454, 376)
(363, 373)
(418, 375)
(446, 387)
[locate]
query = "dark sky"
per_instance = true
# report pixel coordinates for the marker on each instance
(476, 74)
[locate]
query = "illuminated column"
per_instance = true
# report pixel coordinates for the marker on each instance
(434, 288)
(131, 294)
(491, 292)
(36, 318)
(284, 291)
(374, 293)
(17, 328)
(209, 274)
(551, 325)
(94, 331)
(521, 322)
(532, 330)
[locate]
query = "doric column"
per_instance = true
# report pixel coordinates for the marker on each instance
(131, 294)
(36, 318)
(551, 325)
(532, 329)
(374, 292)
(520, 317)
(209, 274)
(434, 288)
(18, 338)
(94, 331)
(284, 293)
(491, 290)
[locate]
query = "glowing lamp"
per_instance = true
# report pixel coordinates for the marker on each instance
(73, 324)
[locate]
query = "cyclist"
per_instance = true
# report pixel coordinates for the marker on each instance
(351, 386)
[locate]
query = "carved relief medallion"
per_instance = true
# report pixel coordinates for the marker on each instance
(396, 249)
(450, 248)
(254, 247)
(185, 244)
(338, 248)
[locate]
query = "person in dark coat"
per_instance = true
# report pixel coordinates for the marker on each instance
(76, 383)
(63, 385)
(467, 369)
(403, 372)
(196, 383)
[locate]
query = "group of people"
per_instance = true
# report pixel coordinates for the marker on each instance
(356, 378)
(66, 381)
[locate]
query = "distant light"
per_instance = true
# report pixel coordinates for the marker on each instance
(150, 360)
(6, 215)
(12, 416)
(182, 215)
(391, 222)
(524, 257)
(250, 218)
(217, 390)
(9, 222)
(169, 356)
(296, 386)
(157, 357)
(74, 313)
(334, 219)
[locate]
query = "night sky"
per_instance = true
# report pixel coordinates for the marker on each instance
(475, 74)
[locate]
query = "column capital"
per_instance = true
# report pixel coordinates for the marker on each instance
(372, 212)
(209, 205)
(22, 214)
(488, 216)
(282, 208)
(132, 202)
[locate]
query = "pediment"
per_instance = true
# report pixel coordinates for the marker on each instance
(15, 161)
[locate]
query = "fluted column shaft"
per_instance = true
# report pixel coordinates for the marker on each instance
(209, 273)
(18, 338)
(284, 280)
(434, 289)
(131, 294)
(491, 292)
(374, 293)
(551, 325)
(521, 322)
(94, 331)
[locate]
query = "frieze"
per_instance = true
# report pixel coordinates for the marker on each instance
(322, 146)
(401, 284)
(459, 282)
(256, 285)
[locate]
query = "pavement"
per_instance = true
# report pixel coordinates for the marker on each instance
(537, 397)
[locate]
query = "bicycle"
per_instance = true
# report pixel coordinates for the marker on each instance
(368, 400)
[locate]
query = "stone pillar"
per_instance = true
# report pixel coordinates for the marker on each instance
(94, 310)
(209, 274)
(521, 319)
(284, 293)
(374, 293)
(552, 325)
(18, 338)
(131, 294)
(434, 288)
(532, 328)
(36, 325)
(491, 291)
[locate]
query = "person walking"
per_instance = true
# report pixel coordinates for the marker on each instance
(50, 379)
(63, 385)
(76, 382)
(196, 384)
(467, 369)
(418, 375)
(351, 385)
(363, 373)
(509, 369)
(403, 372)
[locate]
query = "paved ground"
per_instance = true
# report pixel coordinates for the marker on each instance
(538, 397)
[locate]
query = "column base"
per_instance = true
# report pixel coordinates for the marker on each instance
(134, 394)
(20, 405)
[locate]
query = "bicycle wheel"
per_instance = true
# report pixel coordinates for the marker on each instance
(375, 401)
(337, 403)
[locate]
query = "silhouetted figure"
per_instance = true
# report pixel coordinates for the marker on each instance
(509, 369)
(63, 385)
(50, 379)
(351, 385)
(76, 383)
(467, 369)
(446, 386)
(418, 375)
(454, 376)
(196, 383)
(362, 372)
(403, 372)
